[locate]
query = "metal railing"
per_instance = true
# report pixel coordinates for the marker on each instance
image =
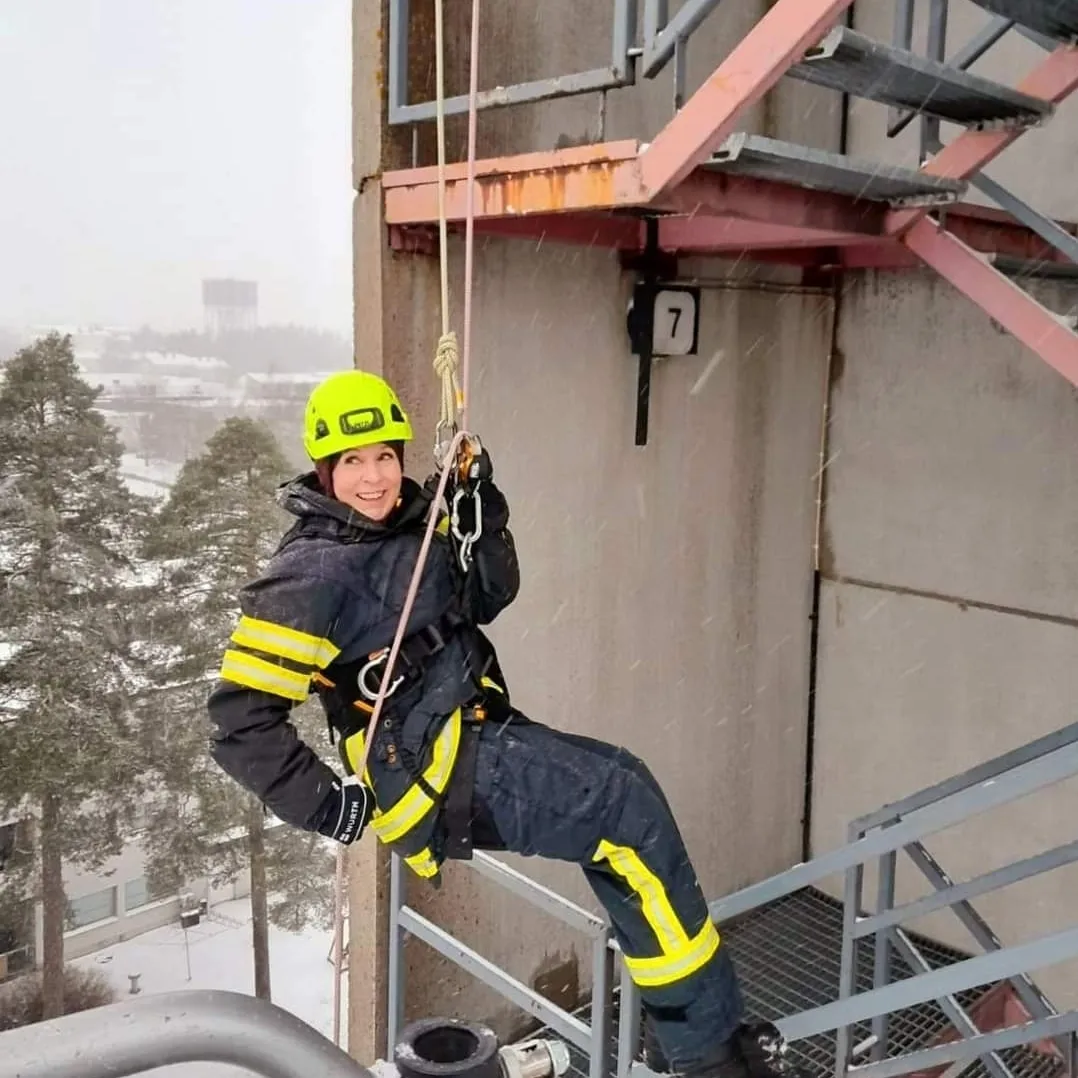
(177, 1027)
(877, 837)
(592, 1038)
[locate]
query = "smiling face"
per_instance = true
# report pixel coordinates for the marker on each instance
(368, 480)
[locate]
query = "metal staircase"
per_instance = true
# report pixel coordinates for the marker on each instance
(711, 188)
(856, 994)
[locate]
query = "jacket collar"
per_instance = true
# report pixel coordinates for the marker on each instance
(324, 516)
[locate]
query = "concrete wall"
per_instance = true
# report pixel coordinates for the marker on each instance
(947, 630)
(667, 589)
(665, 603)
(666, 600)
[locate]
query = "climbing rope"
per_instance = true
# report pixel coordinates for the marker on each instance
(453, 412)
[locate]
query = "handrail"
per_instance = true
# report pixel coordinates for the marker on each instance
(175, 1027)
(592, 1037)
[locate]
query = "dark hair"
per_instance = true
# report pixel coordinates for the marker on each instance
(324, 468)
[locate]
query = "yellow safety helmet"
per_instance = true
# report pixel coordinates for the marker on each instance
(351, 409)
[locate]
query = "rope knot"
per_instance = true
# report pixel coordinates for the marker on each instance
(447, 357)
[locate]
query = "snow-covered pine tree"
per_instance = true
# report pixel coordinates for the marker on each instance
(68, 608)
(214, 534)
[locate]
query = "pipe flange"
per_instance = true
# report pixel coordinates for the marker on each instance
(447, 1048)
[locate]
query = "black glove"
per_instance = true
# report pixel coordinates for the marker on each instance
(345, 812)
(493, 506)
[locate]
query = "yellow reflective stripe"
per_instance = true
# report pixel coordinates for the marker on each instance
(397, 821)
(422, 864)
(255, 673)
(442, 527)
(655, 904)
(670, 968)
(284, 642)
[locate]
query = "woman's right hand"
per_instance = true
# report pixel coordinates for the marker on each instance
(346, 812)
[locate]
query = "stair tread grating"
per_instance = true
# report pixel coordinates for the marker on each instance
(853, 63)
(788, 956)
(804, 166)
(1058, 19)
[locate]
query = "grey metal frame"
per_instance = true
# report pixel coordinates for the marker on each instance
(880, 836)
(148, 1032)
(593, 1038)
(620, 72)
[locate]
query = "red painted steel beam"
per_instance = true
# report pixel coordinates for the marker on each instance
(757, 62)
(971, 151)
(705, 234)
(1014, 309)
(601, 176)
(584, 229)
(711, 191)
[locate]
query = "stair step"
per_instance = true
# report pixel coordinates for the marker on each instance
(848, 61)
(1055, 18)
(787, 162)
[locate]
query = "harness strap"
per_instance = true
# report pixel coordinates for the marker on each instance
(458, 799)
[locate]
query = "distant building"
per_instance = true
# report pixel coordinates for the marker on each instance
(229, 304)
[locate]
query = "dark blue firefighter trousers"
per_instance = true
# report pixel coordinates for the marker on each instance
(540, 792)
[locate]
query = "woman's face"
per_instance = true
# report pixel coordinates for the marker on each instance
(368, 480)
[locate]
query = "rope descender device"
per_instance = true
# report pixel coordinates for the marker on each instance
(472, 467)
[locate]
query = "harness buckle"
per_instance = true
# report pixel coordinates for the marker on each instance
(376, 660)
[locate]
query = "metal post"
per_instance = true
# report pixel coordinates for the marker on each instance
(154, 1031)
(628, 1024)
(847, 982)
(624, 34)
(656, 17)
(395, 985)
(901, 38)
(937, 48)
(881, 967)
(602, 1020)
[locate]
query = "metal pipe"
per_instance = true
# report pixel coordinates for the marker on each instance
(148, 1032)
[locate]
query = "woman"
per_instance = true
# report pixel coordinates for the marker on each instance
(454, 765)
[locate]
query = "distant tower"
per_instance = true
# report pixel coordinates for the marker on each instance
(229, 304)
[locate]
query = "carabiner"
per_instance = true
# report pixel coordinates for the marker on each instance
(361, 680)
(466, 540)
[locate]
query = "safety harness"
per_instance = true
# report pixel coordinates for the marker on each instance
(348, 691)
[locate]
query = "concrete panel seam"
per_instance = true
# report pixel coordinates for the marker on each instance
(952, 600)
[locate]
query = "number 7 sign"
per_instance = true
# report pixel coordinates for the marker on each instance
(676, 322)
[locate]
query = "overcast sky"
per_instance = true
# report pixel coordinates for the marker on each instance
(146, 144)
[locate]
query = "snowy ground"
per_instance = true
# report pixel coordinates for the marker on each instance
(219, 951)
(151, 479)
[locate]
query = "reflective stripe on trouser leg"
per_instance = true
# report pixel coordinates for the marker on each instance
(558, 795)
(681, 954)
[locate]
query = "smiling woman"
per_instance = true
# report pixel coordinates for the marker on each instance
(369, 480)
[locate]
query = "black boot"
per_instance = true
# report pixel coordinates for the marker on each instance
(756, 1050)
